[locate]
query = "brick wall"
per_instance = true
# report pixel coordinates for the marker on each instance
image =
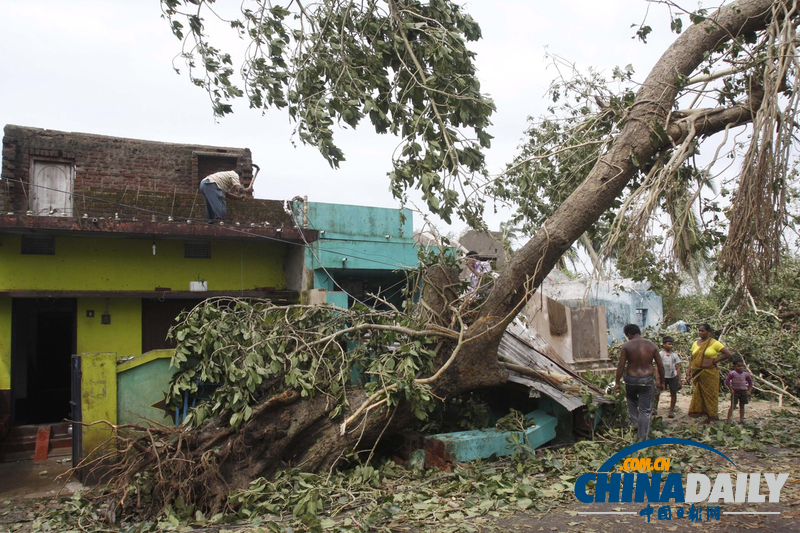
(128, 168)
(158, 206)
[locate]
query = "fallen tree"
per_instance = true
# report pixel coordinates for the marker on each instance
(285, 412)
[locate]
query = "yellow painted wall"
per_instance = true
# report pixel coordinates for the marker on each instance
(127, 264)
(5, 343)
(122, 264)
(123, 335)
(98, 398)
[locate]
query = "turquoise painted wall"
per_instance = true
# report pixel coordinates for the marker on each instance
(358, 243)
(141, 384)
(360, 238)
(339, 299)
(128, 264)
(361, 255)
(339, 220)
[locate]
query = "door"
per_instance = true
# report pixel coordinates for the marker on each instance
(51, 188)
(157, 317)
(42, 343)
(77, 413)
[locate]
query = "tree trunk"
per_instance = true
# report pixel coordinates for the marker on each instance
(613, 171)
(597, 263)
(695, 274)
(313, 441)
(289, 430)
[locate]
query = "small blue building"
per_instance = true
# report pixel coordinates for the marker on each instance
(361, 252)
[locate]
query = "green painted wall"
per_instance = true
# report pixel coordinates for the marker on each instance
(5, 343)
(121, 263)
(123, 336)
(128, 264)
(141, 383)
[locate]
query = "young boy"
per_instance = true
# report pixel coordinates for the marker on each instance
(741, 385)
(672, 372)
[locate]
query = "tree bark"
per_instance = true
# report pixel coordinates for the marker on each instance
(613, 171)
(299, 432)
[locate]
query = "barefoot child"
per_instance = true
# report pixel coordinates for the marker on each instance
(741, 385)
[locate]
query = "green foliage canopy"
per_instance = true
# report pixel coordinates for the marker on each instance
(403, 65)
(235, 354)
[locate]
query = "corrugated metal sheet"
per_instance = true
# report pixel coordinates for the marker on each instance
(569, 402)
(541, 369)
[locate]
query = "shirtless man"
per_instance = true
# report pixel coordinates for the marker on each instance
(638, 355)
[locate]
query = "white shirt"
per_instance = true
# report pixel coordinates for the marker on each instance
(225, 180)
(670, 361)
(476, 272)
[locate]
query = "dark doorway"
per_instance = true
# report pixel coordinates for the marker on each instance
(43, 340)
(363, 287)
(208, 164)
(157, 317)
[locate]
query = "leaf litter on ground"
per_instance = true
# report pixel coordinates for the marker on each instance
(388, 497)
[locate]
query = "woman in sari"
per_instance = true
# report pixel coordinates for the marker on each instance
(706, 353)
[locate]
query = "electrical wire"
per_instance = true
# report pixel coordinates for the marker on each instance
(239, 230)
(327, 273)
(235, 229)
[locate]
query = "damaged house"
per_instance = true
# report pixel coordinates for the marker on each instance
(103, 242)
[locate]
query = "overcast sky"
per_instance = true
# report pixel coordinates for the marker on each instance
(105, 67)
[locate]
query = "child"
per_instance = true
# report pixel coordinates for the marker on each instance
(741, 385)
(672, 372)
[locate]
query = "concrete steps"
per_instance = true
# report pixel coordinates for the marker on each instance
(20, 442)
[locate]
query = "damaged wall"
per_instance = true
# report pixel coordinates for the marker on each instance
(576, 334)
(625, 301)
(120, 177)
(114, 162)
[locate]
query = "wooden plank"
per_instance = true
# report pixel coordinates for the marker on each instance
(42, 444)
(585, 334)
(570, 403)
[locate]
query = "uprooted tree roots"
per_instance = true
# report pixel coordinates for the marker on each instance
(305, 386)
(152, 467)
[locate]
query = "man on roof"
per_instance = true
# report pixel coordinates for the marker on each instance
(216, 187)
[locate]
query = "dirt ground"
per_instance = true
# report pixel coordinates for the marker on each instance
(21, 480)
(566, 518)
(26, 488)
